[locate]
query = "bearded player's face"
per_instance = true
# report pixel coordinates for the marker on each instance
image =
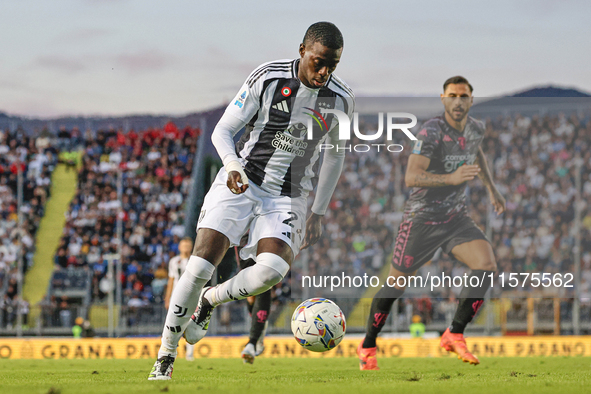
(457, 100)
(317, 63)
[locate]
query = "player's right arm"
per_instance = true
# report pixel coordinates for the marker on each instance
(223, 141)
(238, 113)
(427, 143)
(418, 176)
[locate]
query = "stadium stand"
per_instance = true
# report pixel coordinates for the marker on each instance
(37, 159)
(532, 158)
(155, 166)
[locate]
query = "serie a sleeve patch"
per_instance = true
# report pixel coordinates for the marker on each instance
(418, 146)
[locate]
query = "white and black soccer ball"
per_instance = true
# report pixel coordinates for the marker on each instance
(318, 324)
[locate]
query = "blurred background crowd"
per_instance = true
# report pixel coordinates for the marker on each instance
(532, 159)
(533, 162)
(33, 159)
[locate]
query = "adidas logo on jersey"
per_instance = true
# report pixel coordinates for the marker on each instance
(282, 106)
(447, 138)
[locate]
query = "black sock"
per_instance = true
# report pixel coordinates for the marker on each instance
(467, 308)
(471, 299)
(259, 314)
(380, 309)
(249, 306)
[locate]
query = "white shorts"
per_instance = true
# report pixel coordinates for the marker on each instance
(265, 215)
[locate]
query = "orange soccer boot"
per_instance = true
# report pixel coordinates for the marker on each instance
(368, 360)
(457, 344)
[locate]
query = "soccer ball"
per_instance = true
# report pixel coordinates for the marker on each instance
(318, 324)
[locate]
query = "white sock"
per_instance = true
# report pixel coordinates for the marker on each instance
(189, 350)
(269, 270)
(183, 302)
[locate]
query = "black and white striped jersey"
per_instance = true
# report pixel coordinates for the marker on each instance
(275, 149)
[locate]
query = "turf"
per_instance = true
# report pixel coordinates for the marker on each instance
(494, 375)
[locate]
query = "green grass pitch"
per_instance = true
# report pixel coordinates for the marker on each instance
(397, 375)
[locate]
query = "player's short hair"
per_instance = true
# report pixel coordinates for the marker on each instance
(325, 33)
(455, 80)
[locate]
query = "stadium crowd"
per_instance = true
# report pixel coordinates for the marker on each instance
(155, 167)
(532, 159)
(37, 158)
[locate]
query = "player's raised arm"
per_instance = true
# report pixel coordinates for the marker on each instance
(418, 176)
(497, 200)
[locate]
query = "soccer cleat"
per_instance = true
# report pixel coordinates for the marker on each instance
(199, 322)
(260, 347)
(248, 354)
(162, 369)
(368, 360)
(457, 344)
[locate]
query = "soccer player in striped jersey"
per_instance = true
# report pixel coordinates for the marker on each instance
(265, 182)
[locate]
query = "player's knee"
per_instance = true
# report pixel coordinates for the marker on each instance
(272, 268)
(390, 292)
(199, 268)
(269, 276)
(397, 280)
(487, 265)
(210, 245)
(277, 247)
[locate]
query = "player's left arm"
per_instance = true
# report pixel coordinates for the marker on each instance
(330, 172)
(497, 200)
